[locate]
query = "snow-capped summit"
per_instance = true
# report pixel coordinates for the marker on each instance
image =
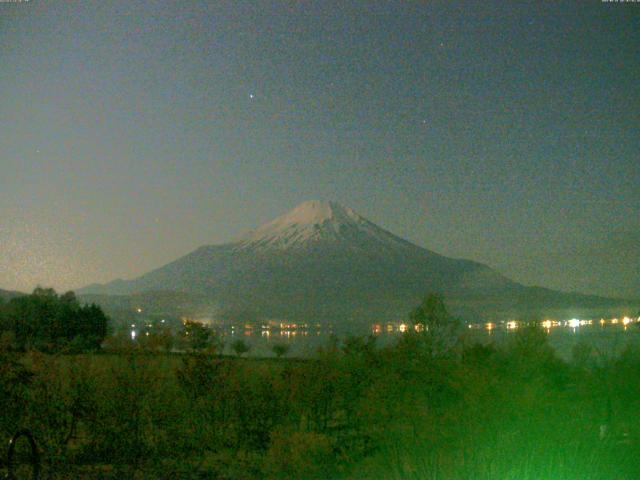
(318, 212)
(322, 262)
(313, 221)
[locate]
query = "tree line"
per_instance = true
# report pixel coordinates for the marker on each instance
(47, 321)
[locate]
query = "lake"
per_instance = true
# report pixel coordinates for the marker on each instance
(609, 337)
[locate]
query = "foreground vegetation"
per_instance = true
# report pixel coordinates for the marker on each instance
(433, 406)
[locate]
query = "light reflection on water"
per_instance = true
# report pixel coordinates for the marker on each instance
(608, 337)
(608, 341)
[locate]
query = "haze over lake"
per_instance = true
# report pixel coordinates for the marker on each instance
(608, 337)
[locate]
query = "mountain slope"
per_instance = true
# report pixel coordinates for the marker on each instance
(324, 262)
(7, 295)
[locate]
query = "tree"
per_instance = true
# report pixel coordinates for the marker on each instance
(431, 313)
(15, 379)
(92, 326)
(69, 298)
(195, 335)
(157, 338)
(439, 328)
(48, 321)
(240, 347)
(354, 346)
(44, 292)
(280, 349)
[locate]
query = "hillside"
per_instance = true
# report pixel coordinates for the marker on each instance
(322, 262)
(7, 295)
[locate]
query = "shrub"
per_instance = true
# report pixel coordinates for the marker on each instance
(300, 455)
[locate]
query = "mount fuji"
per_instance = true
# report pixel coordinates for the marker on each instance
(322, 262)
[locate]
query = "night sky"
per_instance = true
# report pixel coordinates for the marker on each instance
(132, 132)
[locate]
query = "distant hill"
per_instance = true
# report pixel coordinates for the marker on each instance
(322, 262)
(7, 295)
(166, 303)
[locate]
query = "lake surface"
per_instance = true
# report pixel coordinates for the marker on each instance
(608, 337)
